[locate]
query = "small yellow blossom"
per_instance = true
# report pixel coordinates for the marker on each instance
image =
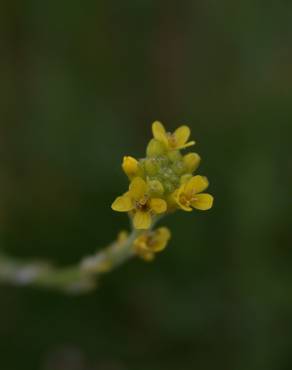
(189, 195)
(172, 141)
(152, 242)
(130, 166)
(138, 200)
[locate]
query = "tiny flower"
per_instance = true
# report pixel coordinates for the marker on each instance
(138, 200)
(172, 141)
(130, 166)
(152, 242)
(189, 195)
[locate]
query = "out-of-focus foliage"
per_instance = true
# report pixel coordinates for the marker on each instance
(80, 84)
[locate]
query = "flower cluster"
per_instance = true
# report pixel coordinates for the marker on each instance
(161, 183)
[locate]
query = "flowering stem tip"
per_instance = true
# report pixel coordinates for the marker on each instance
(161, 183)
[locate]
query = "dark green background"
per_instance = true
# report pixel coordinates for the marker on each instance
(81, 83)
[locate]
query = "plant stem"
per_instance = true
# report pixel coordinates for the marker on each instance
(78, 278)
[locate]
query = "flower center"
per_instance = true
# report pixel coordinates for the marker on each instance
(185, 200)
(142, 204)
(150, 241)
(171, 140)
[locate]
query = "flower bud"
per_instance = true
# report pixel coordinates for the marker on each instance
(174, 155)
(168, 186)
(130, 166)
(151, 166)
(155, 187)
(178, 168)
(155, 148)
(185, 178)
(191, 162)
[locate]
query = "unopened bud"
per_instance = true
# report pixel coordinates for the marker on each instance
(130, 166)
(155, 187)
(191, 161)
(151, 166)
(174, 155)
(185, 178)
(155, 148)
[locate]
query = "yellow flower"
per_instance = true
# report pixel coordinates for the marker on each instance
(172, 141)
(138, 201)
(189, 195)
(130, 166)
(152, 242)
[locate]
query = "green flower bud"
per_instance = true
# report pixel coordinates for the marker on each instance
(167, 174)
(168, 187)
(185, 178)
(155, 187)
(178, 168)
(155, 148)
(174, 155)
(151, 166)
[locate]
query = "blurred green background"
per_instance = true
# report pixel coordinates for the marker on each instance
(81, 83)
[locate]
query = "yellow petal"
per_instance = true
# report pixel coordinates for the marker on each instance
(197, 184)
(162, 237)
(142, 220)
(159, 245)
(158, 205)
(123, 203)
(203, 201)
(159, 132)
(182, 135)
(130, 166)
(163, 233)
(141, 242)
(137, 188)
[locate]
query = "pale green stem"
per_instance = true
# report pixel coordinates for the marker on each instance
(76, 278)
